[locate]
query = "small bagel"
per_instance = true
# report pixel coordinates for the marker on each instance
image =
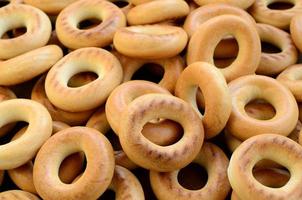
(99, 36)
(204, 41)
(247, 88)
(18, 152)
(149, 155)
(278, 18)
(172, 69)
(166, 186)
(38, 29)
(152, 12)
(290, 78)
(50, 6)
(296, 30)
(150, 41)
(17, 195)
(266, 146)
(29, 65)
(72, 118)
(274, 63)
(6, 94)
(86, 97)
(215, 92)
(97, 175)
(244, 4)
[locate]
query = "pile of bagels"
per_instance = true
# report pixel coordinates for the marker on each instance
(95, 93)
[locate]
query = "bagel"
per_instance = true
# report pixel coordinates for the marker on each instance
(244, 4)
(252, 87)
(278, 18)
(267, 146)
(38, 29)
(150, 41)
(166, 186)
(155, 157)
(152, 12)
(99, 36)
(17, 195)
(99, 61)
(204, 41)
(215, 92)
(290, 78)
(98, 172)
(72, 118)
(296, 31)
(18, 152)
(49, 6)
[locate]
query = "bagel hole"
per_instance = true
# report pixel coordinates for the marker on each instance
(271, 174)
(280, 5)
(14, 33)
(200, 101)
(107, 195)
(120, 3)
(223, 62)
(167, 130)
(3, 3)
(149, 72)
(260, 109)
(6, 138)
(81, 79)
(193, 177)
(267, 47)
(89, 23)
(224, 58)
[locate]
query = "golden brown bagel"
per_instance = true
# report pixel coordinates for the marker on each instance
(17, 195)
(296, 30)
(99, 36)
(203, 43)
(50, 6)
(97, 175)
(244, 4)
(86, 97)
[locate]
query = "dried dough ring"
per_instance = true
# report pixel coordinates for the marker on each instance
(18, 152)
(50, 6)
(152, 12)
(72, 118)
(172, 69)
(29, 65)
(155, 157)
(69, 169)
(17, 195)
(86, 97)
(244, 4)
(290, 78)
(212, 158)
(274, 63)
(97, 175)
(266, 146)
(204, 41)
(278, 18)
(252, 87)
(38, 29)
(150, 41)
(296, 30)
(215, 92)
(6, 94)
(99, 36)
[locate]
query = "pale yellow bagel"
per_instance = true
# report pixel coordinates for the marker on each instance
(150, 41)
(50, 6)
(72, 118)
(274, 63)
(166, 186)
(296, 30)
(38, 29)
(18, 152)
(29, 65)
(17, 195)
(97, 175)
(88, 96)
(291, 78)
(215, 92)
(155, 157)
(157, 11)
(99, 36)
(204, 41)
(252, 87)
(267, 146)
(278, 18)
(244, 4)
